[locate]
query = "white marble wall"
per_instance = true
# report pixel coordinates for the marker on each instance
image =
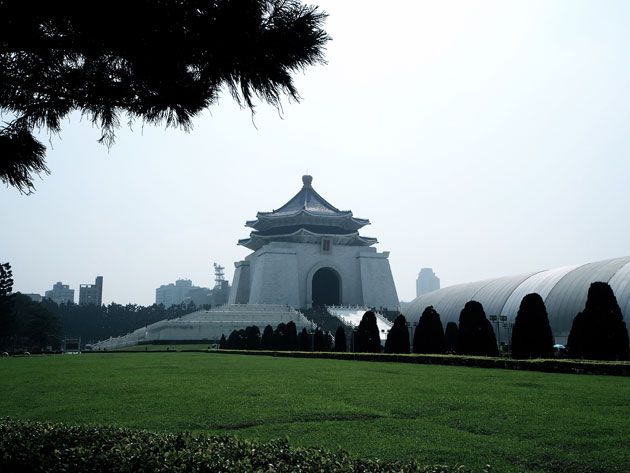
(282, 273)
(239, 294)
(274, 277)
(378, 283)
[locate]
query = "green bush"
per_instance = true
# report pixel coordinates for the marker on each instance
(398, 337)
(476, 336)
(368, 337)
(56, 448)
(599, 331)
(532, 336)
(429, 334)
(341, 344)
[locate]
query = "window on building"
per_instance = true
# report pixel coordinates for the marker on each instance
(326, 245)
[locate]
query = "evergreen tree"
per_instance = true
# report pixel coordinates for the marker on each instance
(237, 340)
(156, 62)
(292, 336)
(599, 331)
(267, 340)
(531, 335)
(280, 337)
(398, 337)
(429, 334)
(475, 336)
(368, 337)
(252, 338)
(341, 344)
(305, 341)
(223, 342)
(450, 337)
(318, 340)
(7, 318)
(35, 326)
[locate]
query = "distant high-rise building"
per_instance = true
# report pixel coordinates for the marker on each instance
(427, 282)
(183, 291)
(91, 293)
(200, 296)
(60, 293)
(173, 294)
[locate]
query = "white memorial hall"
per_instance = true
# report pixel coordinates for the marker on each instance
(309, 253)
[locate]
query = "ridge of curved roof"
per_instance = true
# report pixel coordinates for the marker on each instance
(354, 236)
(307, 200)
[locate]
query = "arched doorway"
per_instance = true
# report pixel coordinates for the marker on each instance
(326, 287)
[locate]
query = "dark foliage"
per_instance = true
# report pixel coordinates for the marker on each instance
(93, 323)
(318, 340)
(58, 448)
(367, 335)
(305, 341)
(429, 335)
(341, 344)
(24, 324)
(252, 338)
(283, 338)
(475, 336)
(292, 337)
(223, 342)
(531, 335)
(398, 337)
(280, 340)
(237, 340)
(266, 343)
(7, 319)
(33, 327)
(450, 337)
(6, 279)
(154, 61)
(22, 156)
(599, 332)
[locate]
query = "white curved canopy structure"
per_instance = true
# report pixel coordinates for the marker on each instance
(563, 289)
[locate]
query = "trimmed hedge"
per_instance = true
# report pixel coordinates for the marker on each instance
(612, 368)
(58, 448)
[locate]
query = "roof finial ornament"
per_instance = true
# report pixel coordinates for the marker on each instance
(307, 180)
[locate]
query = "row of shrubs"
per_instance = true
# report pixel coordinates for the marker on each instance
(283, 338)
(57, 448)
(598, 332)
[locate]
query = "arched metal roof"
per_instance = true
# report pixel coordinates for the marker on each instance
(563, 289)
(568, 296)
(620, 284)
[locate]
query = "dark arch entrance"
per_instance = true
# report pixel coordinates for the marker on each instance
(326, 287)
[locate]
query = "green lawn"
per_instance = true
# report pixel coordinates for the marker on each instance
(174, 347)
(515, 421)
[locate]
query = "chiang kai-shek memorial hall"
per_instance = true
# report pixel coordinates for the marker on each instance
(309, 253)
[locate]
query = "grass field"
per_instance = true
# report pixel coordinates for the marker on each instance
(513, 420)
(162, 347)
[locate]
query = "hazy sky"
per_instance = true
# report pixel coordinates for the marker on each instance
(480, 138)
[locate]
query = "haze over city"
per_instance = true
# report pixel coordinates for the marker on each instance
(480, 139)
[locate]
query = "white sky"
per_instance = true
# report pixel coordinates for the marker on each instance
(480, 138)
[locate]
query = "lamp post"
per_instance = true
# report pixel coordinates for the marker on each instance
(497, 319)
